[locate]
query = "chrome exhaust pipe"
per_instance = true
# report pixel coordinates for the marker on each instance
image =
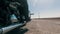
(9, 28)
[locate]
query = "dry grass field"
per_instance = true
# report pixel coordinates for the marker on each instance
(43, 26)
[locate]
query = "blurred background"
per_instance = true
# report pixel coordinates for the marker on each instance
(44, 8)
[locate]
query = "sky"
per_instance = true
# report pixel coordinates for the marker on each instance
(44, 8)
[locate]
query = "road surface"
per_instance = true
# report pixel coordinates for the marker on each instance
(44, 26)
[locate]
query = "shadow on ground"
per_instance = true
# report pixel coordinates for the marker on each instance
(18, 31)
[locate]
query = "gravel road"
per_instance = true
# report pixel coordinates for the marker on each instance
(43, 26)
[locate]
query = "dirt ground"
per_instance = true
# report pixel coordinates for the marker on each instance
(43, 26)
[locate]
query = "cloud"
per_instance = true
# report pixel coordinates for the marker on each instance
(47, 8)
(33, 2)
(37, 4)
